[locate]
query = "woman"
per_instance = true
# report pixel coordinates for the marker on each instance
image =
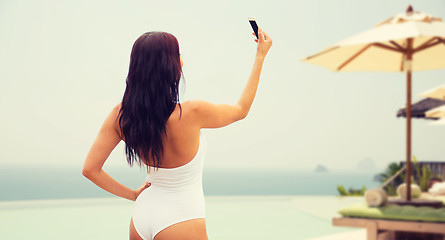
(164, 136)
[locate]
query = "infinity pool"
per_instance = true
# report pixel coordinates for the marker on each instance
(228, 217)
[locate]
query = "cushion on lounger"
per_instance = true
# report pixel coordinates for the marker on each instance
(437, 198)
(395, 212)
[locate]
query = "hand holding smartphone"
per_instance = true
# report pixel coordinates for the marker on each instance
(252, 22)
(265, 42)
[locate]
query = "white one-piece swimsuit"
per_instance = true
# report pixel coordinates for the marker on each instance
(175, 195)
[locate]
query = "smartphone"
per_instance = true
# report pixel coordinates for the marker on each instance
(252, 22)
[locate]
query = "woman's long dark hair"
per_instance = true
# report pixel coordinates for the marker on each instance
(150, 97)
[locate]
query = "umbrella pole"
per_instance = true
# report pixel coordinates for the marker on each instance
(408, 200)
(408, 117)
(408, 136)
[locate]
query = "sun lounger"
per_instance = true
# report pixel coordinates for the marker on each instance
(378, 229)
(393, 222)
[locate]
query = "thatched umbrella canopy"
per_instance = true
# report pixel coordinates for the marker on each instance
(419, 108)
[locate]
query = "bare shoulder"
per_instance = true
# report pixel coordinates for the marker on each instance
(191, 107)
(113, 119)
(209, 115)
(117, 108)
(114, 114)
(194, 109)
(195, 106)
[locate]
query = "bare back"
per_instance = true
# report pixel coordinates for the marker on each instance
(182, 139)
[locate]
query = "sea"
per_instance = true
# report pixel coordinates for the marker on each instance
(42, 202)
(67, 182)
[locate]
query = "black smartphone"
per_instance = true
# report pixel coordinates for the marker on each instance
(252, 22)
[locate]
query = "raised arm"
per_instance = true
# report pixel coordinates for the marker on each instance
(219, 115)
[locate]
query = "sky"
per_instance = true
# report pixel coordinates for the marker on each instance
(64, 64)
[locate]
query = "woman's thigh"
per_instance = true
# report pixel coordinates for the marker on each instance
(194, 229)
(133, 233)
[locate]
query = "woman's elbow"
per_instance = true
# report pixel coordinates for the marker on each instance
(243, 115)
(88, 173)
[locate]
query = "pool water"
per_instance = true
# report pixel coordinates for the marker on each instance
(228, 217)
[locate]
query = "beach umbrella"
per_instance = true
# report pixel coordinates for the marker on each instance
(406, 42)
(437, 93)
(419, 108)
(438, 112)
